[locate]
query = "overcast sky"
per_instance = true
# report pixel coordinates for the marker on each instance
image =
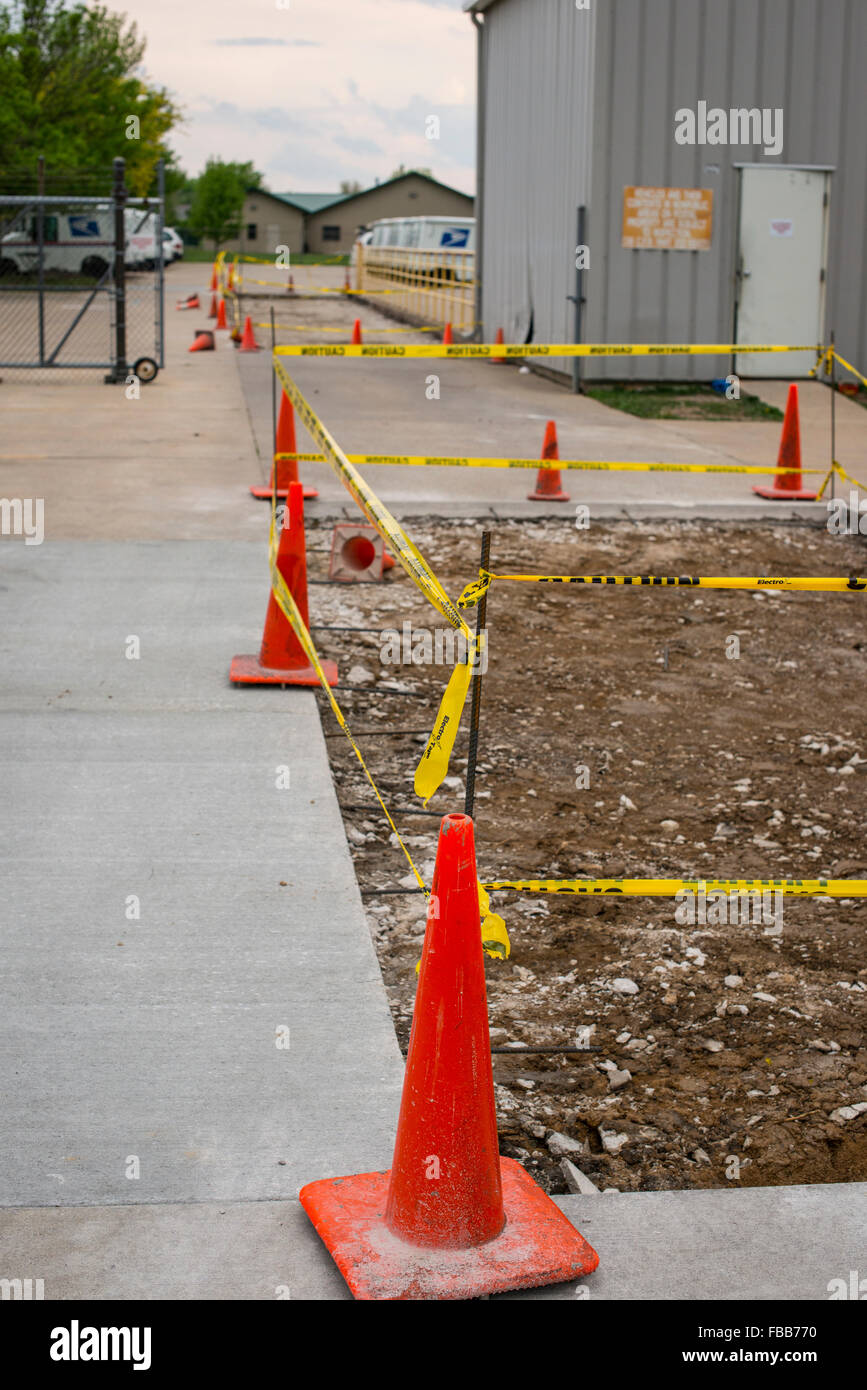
(315, 91)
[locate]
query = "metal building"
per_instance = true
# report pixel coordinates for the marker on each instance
(587, 104)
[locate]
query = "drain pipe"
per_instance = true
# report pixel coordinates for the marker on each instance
(478, 334)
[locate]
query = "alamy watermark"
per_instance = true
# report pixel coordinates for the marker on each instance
(23, 516)
(738, 126)
(422, 646)
(718, 908)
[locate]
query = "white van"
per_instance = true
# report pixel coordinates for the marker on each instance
(143, 251)
(425, 233)
(80, 243)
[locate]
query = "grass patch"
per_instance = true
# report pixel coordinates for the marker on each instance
(685, 400)
(201, 253)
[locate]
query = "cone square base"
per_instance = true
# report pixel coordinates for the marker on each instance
(248, 670)
(265, 494)
(782, 494)
(547, 497)
(537, 1245)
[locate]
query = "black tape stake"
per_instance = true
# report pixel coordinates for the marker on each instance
(481, 613)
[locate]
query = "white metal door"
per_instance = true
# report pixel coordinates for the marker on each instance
(781, 266)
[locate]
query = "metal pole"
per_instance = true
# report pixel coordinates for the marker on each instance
(161, 297)
(578, 300)
(481, 614)
(273, 399)
(833, 412)
(40, 241)
(118, 193)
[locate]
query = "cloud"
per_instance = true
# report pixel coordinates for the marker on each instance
(346, 142)
(266, 43)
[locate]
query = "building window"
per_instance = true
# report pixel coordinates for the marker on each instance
(330, 233)
(251, 231)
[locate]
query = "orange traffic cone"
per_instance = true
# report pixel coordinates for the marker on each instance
(787, 481)
(282, 660)
(498, 339)
(203, 341)
(212, 312)
(287, 468)
(451, 1219)
(447, 333)
(356, 332)
(248, 339)
(213, 284)
(221, 314)
(548, 485)
(191, 302)
(230, 282)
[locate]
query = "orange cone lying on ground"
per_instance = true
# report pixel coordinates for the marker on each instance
(548, 485)
(282, 660)
(451, 1219)
(787, 482)
(203, 341)
(248, 338)
(287, 469)
(191, 302)
(221, 314)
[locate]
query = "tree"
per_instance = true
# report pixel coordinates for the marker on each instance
(400, 170)
(218, 198)
(72, 91)
(350, 186)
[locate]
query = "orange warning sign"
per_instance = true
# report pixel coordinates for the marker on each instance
(667, 219)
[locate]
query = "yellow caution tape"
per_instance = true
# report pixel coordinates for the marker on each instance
(670, 887)
(850, 368)
(838, 468)
(495, 937)
(834, 584)
(434, 761)
(516, 350)
(591, 465)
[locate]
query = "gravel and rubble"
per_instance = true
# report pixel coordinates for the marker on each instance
(716, 1053)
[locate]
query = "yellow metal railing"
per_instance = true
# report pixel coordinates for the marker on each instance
(437, 286)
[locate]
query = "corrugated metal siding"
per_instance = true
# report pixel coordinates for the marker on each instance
(538, 114)
(652, 57)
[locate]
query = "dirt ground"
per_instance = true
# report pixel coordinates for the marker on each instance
(723, 1051)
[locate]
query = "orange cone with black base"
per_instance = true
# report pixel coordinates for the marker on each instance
(203, 341)
(787, 481)
(287, 468)
(451, 1219)
(248, 338)
(191, 302)
(498, 339)
(548, 485)
(282, 660)
(221, 314)
(356, 332)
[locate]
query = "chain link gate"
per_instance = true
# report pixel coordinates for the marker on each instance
(81, 281)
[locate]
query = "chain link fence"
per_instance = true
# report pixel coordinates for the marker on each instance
(81, 276)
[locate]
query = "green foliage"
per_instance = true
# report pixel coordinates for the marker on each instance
(70, 82)
(218, 198)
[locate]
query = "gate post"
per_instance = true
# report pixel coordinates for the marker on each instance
(118, 372)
